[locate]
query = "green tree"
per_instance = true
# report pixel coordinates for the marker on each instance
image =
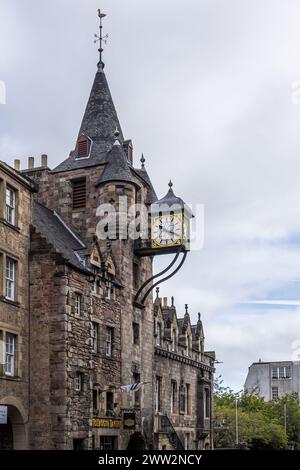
(260, 423)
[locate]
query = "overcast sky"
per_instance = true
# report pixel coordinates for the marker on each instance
(205, 89)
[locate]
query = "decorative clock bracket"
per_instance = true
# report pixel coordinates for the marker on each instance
(181, 250)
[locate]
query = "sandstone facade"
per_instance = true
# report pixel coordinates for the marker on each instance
(15, 218)
(82, 335)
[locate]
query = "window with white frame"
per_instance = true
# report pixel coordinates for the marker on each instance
(206, 403)
(10, 354)
(78, 382)
(95, 286)
(10, 278)
(274, 393)
(109, 333)
(78, 304)
(10, 205)
(95, 329)
(282, 372)
(109, 289)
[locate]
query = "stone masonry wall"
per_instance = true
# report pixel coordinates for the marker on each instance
(14, 316)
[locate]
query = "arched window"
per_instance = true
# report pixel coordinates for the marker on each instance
(83, 147)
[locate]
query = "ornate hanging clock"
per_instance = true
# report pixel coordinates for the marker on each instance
(170, 223)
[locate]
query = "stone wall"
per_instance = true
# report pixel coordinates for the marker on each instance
(56, 192)
(14, 315)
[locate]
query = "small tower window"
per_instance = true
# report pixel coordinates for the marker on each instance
(83, 147)
(79, 193)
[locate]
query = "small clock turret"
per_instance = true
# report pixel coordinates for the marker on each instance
(170, 223)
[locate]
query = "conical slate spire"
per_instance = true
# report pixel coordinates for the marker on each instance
(142, 172)
(100, 119)
(117, 167)
(99, 123)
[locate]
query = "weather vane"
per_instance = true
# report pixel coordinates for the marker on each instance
(100, 38)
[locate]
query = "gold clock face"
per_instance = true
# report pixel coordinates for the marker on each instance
(166, 231)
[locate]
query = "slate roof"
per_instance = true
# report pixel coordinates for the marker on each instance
(117, 167)
(99, 123)
(142, 172)
(170, 199)
(51, 226)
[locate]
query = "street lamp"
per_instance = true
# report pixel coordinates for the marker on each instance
(236, 424)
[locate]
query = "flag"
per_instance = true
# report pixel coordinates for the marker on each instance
(130, 387)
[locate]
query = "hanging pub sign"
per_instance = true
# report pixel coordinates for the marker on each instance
(129, 420)
(3, 414)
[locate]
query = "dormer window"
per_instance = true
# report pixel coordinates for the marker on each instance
(83, 147)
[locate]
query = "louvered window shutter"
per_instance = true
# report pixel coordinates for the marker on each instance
(83, 147)
(79, 194)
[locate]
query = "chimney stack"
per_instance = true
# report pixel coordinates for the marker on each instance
(165, 300)
(30, 163)
(17, 165)
(44, 161)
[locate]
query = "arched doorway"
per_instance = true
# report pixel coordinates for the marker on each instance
(136, 442)
(13, 435)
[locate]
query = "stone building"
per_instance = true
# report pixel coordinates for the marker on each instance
(94, 277)
(272, 380)
(16, 198)
(183, 377)
(87, 335)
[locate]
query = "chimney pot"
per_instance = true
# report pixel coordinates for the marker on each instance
(30, 163)
(17, 165)
(44, 160)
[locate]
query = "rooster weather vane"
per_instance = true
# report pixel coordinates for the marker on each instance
(100, 38)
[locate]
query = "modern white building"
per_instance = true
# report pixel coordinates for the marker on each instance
(272, 380)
